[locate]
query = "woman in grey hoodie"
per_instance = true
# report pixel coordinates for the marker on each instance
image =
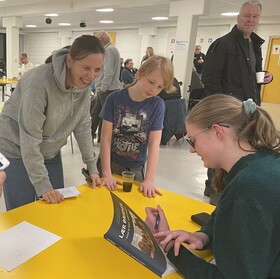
(49, 103)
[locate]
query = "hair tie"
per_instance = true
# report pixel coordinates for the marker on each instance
(249, 107)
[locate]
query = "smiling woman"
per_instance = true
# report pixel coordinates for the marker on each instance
(48, 104)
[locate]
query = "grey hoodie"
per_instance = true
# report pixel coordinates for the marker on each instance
(39, 117)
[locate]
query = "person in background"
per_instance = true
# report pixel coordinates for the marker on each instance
(127, 75)
(2, 68)
(26, 65)
(166, 96)
(198, 60)
(132, 126)
(241, 140)
(49, 103)
(121, 69)
(232, 62)
(2, 179)
(108, 81)
(148, 53)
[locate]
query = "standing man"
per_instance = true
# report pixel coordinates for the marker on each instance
(108, 81)
(233, 60)
(26, 65)
(198, 60)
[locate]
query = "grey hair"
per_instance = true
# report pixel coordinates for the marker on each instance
(251, 2)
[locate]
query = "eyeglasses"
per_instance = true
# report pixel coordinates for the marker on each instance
(192, 142)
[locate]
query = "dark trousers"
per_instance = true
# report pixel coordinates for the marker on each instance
(18, 189)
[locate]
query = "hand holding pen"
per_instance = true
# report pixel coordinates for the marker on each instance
(156, 220)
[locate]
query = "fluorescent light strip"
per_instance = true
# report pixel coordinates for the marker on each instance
(105, 10)
(106, 21)
(64, 24)
(230, 14)
(160, 18)
(51, 14)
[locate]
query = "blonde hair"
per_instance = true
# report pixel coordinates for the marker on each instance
(256, 128)
(161, 63)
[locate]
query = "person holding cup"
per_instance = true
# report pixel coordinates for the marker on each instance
(233, 60)
(132, 126)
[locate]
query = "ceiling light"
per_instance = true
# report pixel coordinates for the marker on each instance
(106, 10)
(230, 14)
(30, 25)
(64, 24)
(106, 21)
(160, 18)
(51, 14)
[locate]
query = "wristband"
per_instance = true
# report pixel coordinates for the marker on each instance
(164, 249)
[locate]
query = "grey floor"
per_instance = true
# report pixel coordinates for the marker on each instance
(178, 170)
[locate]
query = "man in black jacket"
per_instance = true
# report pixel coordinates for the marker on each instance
(232, 62)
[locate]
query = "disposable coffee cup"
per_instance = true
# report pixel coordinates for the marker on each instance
(127, 177)
(260, 76)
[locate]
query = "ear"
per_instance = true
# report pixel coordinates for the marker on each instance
(218, 131)
(138, 75)
(69, 60)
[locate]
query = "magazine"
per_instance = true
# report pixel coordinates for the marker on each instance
(132, 235)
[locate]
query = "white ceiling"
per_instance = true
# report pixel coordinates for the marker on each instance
(127, 13)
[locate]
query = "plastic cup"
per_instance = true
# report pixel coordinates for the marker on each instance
(260, 76)
(127, 177)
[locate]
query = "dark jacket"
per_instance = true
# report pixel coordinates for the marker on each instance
(227, 68)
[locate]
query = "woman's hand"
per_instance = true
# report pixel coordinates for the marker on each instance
(195, 240)
(53, 196)
(95, 180)
(156, 220)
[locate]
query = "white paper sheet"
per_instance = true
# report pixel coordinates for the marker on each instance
(69, 192)
(22, 242)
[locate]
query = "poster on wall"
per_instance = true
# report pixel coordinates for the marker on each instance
(181, 45)
(113, 37)
(276, 49)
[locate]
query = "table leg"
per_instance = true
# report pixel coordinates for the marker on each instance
(3, 93)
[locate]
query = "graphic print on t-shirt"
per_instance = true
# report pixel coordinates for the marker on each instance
(128, 135)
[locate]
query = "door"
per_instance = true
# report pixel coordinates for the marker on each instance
(271, 91)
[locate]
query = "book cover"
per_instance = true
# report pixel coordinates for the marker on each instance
(132, 235)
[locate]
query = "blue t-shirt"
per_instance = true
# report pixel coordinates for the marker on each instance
(132, 123)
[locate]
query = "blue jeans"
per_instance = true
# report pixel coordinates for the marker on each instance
(18, 189)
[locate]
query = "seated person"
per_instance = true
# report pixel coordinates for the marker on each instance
(240, 140)
(127, 75)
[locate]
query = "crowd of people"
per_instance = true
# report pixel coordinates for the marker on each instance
(235, 138)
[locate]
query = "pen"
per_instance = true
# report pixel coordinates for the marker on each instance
(157, 221)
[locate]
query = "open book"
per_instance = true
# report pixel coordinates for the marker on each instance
(132, 235)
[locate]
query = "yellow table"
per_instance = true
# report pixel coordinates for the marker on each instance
(3, 83)
(81, 222)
